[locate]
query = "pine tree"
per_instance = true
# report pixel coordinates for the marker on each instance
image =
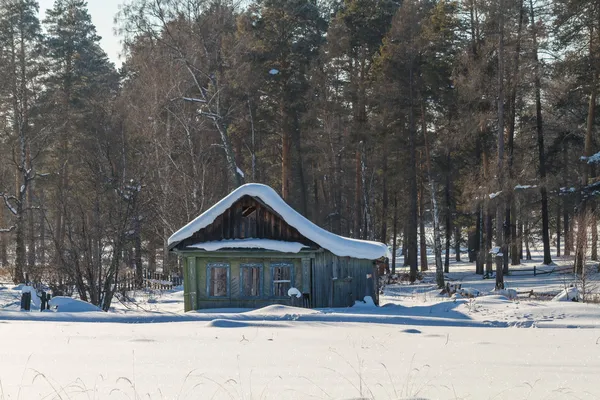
(19, 41)
(285, 38)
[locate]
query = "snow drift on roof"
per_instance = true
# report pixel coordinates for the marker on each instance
(267, 244)
(338, 245)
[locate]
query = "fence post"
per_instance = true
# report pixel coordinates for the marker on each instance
(26, 301)
(43, 302)
(534, 271)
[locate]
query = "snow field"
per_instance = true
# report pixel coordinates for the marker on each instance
(418, 344)
(295, 360)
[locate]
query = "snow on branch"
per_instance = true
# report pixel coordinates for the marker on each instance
(240, 172)
(593, 159)
(524, 187)
(194, 100)
(7, 200)
(8, 230)
(210, 115)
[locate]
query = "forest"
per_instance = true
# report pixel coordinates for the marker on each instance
(423, 124)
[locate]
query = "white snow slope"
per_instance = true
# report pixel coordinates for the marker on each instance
(338, 245)
(417, 345)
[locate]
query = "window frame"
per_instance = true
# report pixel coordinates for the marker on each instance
(212, 265)
(248, 265)
(281, 264)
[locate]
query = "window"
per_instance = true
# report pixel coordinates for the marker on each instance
(217, 279)
(248, 211)
(281, 274)
(250, 280)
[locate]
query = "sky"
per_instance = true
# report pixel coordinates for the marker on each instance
(103, 13)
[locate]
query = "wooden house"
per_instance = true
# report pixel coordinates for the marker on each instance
(252, 249)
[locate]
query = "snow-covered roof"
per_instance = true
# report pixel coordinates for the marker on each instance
(338, 245)
(267, 244)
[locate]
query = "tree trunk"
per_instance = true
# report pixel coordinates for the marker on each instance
(558, 214)
(567, 228)
(31, 251)
(367, 232)
(489, 232)
(413, 210)
(137, 254)
(42, 224)
(448, 215)
(422, 239)
(581, 241)
(540, 140)
(166, 259)
(527, 241)
(479, 254)
(405, 245)
(20, 249)
(587, 152)
(457, 239)
(358, 195)
(521, 236)
(510, 226)
(500, 208)
(395, 234)
(515, 253)
(594, 223)
(299, 184)
(384, 198)
(151, 255)
(437, 241)
(3, 241)
(285, 166)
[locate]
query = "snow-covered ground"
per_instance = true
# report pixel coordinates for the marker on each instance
(417, 345)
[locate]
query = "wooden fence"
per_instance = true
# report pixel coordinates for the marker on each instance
(536, 271)
(149, 280)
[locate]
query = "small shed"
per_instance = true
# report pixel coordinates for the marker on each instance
(251, 249)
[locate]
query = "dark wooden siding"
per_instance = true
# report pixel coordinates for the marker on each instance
(339, 281)
(247, 218)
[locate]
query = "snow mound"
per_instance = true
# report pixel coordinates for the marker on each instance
(569, 294)
(279, 310)
(267, 244)
(67, 304)
(493, 299)
(227, 323)
(294, 292)
(366, 303)
(468, 292)
(338, 245)
(509, 293)
(233, 323)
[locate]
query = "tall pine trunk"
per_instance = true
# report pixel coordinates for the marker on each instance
(422, 238)
(566, 228)
(511, 227)
(587, 152)
(540, 141)
(500, 208)
(395, 234)
(437, 241)
(558, 227)
(448, 216)
(411, 239)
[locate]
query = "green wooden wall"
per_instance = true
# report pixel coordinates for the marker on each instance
(195, 281)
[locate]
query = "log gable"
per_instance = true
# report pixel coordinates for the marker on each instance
(247, 218)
